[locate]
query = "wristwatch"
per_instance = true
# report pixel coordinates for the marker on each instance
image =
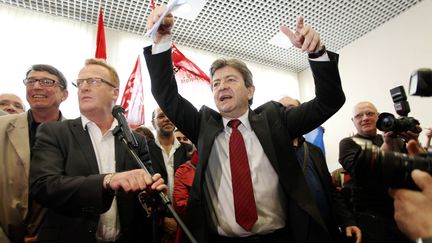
(318, 53)
(107, 182)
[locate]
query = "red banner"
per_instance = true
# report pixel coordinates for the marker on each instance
(185, 70)
(100, 38)
(133, 97)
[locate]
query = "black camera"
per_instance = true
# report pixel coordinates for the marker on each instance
(388, 122)
(392, 169)
(421, 82)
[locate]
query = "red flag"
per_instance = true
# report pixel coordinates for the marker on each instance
(100, 38)
(133, 98)
(185, 70)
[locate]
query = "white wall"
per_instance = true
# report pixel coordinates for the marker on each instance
(41, 38)
(369, 67)
(375, 63)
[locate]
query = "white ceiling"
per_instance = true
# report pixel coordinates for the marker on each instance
(240, 28)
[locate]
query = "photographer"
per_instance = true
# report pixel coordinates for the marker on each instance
(373, 207)
(413, 209)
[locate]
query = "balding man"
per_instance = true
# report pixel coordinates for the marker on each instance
(11, 103)
(373, 207)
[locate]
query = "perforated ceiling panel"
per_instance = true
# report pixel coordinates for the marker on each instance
(240, 28)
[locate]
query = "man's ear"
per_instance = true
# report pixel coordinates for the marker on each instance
(116, 94)
(65, 94)
(251, 91)
(153, 123)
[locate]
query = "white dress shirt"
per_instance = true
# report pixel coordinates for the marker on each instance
(168, 158)
(104, 148)
(269, 197)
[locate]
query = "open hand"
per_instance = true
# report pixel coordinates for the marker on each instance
(304, 37)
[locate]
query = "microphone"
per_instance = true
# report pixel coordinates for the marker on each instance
(118, 113)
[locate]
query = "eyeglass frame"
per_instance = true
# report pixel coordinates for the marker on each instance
(96, 84)
(39, 80)
(368, 114)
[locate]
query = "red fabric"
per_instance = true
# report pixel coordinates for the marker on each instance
(347, 178)
(244, 201)
(185, 70)
(133, 97)
(183, 180)
(100, 38)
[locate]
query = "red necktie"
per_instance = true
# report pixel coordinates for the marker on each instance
(244, 201)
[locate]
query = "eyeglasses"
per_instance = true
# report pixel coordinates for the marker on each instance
(367, 114)
(93, 82)
(182, 139)
(44, 82)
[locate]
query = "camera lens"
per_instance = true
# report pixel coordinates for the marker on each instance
(392, 169)
(386, 122)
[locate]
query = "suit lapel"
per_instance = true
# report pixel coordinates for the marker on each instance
(319, 168)
(18, 134)
(260, 127)
(213, 126)
(157, 159)
(119, 155)
(83, 140)
(178, 157)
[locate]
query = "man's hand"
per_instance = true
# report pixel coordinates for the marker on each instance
(167, 23)
(136, 181)
(353, 231)
(411, 138)
(169, 225)
(304, 37)
(413, 209)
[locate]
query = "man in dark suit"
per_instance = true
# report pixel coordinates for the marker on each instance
(281, 197)
(167, 154)
(330, 201)
(83, 174)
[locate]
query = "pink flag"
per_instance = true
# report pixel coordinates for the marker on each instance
(133, 97)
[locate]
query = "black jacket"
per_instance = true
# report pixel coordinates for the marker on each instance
(64, 177)
(273, 124)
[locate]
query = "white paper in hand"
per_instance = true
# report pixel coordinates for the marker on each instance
(172, 5)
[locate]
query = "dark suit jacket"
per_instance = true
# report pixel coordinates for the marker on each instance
(158, 163)
(64, 178)
(340, 215)
(273, 124)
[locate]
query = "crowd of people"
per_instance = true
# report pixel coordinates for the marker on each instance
(234, 174)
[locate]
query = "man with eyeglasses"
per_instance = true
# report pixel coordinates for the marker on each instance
(248, 185)
(46, 89)
(84, 176)
(11, 103)
(167, 154)
(373, 207)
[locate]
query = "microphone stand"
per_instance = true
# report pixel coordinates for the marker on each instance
(118, 133)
